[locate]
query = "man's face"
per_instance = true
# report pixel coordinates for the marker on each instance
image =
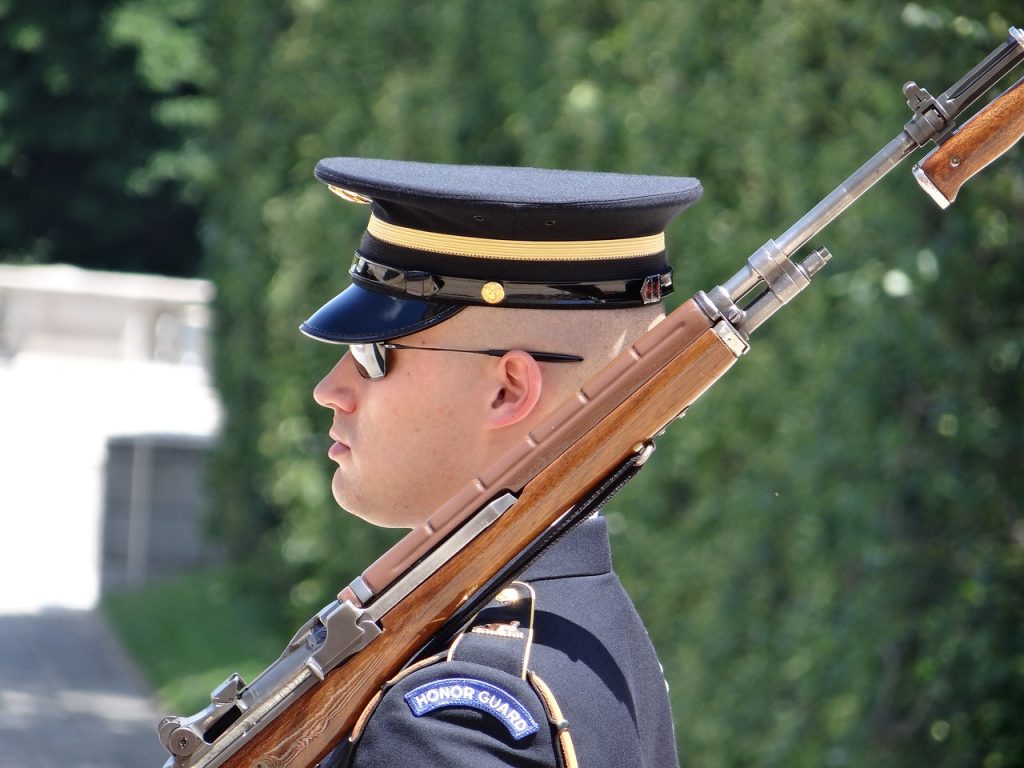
(405, 443)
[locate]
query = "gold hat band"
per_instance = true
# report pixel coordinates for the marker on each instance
(481, 247)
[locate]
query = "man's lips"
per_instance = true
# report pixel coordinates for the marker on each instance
(338, 448)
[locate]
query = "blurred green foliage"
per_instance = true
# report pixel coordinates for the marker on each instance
(101, 161)
(829, 550)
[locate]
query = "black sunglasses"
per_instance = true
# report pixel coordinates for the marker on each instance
(372, 359)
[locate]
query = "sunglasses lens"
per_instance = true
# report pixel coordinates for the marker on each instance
(370, 360)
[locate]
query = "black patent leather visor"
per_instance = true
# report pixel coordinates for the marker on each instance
(361, 315)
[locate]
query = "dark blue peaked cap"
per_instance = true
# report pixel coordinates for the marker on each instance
(442, 237)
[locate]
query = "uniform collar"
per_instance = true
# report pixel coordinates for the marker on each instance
(584, 551)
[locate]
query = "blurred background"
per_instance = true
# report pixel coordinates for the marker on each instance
(828, 551)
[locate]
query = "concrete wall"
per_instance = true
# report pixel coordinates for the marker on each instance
(153, 506)
(86, 356)
(64, 310)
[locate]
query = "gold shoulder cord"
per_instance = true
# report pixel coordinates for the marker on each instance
(517, 594)
(555, 717)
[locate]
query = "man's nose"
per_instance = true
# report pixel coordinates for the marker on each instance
(335, 390)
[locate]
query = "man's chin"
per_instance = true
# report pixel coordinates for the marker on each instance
(379, 514)
(343, 496)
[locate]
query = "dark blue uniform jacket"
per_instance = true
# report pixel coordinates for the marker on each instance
(591, 650)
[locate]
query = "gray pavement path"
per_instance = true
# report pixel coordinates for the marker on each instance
(71, 697)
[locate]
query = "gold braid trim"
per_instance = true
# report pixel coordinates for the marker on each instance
(531, 250)
(556, 719)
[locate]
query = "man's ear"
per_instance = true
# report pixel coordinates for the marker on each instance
(519, 382)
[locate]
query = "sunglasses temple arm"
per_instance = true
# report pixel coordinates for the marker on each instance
(544, 357)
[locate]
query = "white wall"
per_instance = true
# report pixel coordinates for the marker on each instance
(84, 356)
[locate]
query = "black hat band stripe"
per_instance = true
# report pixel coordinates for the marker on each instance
(423, 285)
(531, 250)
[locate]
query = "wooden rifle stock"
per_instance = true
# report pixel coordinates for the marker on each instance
(687, 356)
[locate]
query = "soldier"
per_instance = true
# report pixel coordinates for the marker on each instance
(481, 298)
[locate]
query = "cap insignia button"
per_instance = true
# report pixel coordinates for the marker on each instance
(492, 292)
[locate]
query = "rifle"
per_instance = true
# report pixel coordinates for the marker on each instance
(429, 584)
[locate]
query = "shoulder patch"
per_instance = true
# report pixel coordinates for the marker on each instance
(477, 694)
